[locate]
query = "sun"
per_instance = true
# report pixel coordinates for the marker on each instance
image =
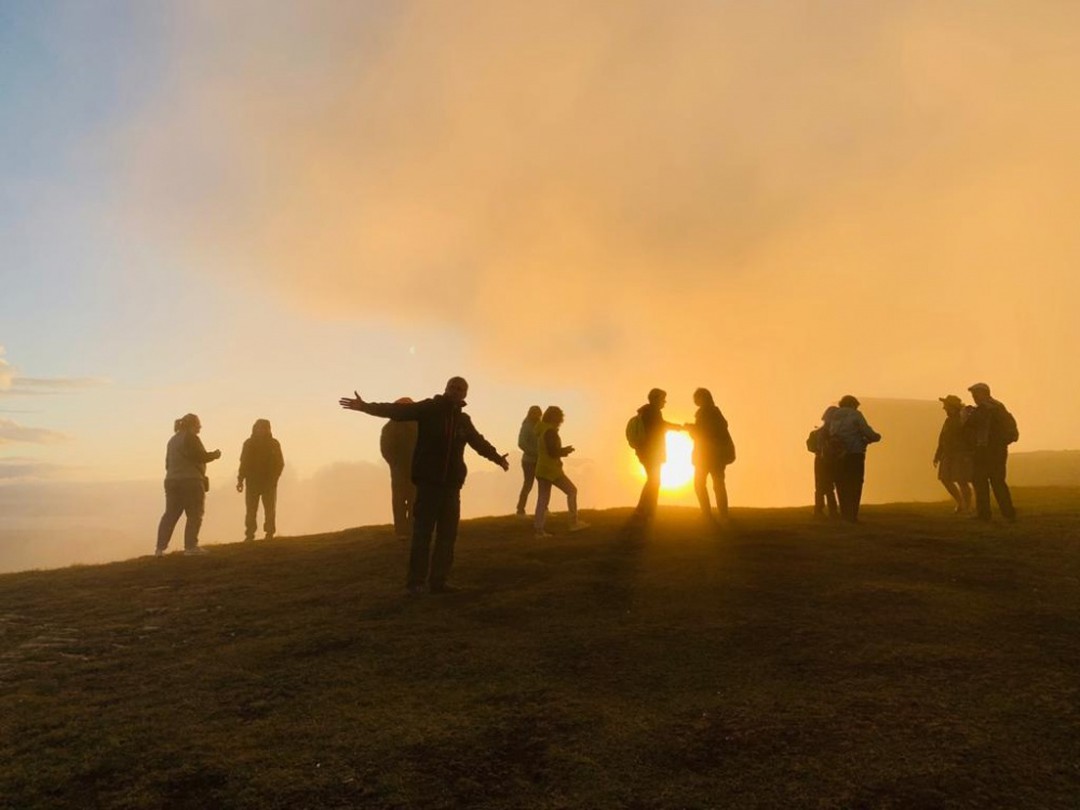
(678, 470)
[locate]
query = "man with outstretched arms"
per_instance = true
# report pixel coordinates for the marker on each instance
(438, 470)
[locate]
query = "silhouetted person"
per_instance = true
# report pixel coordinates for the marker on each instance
(826, 461)
(953, 456)
(261, 463)
(438, 470)
(527, 445)
(651, 451)
(549, 471)
(185, 484)
(397, 443)
(713, 451)
(849, 426)
(990, 429)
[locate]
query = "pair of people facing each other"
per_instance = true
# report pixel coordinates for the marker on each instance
(186, 483)
(973, 450)
(713, 451)
(839, 448)
(542, 454)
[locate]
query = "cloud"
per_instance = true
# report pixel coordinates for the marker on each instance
(19, 469)
(11, 432)
(784, 202)
(12, 384)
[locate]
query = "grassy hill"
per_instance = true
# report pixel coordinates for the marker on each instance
(917, 660)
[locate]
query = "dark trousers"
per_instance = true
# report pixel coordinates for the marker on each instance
(438, 510)
(851, 470)
(989, 473)
(528, 470)
(402, 499)
(650, 492)
(824, 485)
(255, 491)
(702, 471)
(182, 496)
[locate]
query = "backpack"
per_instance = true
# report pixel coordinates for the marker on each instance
(727, 449)
(813, 440)
(635, 432)
(1009, 431)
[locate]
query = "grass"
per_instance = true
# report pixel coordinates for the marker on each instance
(916, 660)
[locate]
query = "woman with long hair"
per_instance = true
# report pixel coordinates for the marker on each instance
(549, 471)
(527, 445)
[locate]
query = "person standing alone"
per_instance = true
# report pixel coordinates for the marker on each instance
(261, 463)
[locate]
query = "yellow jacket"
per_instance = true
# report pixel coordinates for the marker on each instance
(548, 467)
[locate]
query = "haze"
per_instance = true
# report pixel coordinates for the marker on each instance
(250, 209)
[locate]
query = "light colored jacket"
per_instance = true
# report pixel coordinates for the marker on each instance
(185, 457)
(527, 440)
(851, 428)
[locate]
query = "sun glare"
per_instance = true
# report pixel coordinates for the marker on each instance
(678, 470)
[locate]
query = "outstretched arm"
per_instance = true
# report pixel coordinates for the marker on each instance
(485, 448)
(403, 411)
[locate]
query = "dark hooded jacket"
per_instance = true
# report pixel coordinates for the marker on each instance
(443, 430)
(712, 440)
(261, 461)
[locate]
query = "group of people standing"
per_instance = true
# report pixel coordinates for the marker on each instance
(839, 448)
(971, 455)
(186, 483)
(424, 443)
(973, 452)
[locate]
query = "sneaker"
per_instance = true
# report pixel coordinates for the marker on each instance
(578, 525)
(540, 534)
(159, 552)
(249, 539)
(523, 515)
(194, 552)
(269, 536)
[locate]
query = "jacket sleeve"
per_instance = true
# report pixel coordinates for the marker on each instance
(194, 450)
(401, 411)
(245, 461)
(524, 443)
(868, 432)
(480, 444)
(279, 460)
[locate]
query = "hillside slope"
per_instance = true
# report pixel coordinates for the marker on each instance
(916, 660)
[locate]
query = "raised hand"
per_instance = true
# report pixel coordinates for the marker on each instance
(568, 450)
(355, 404)
(502, 462)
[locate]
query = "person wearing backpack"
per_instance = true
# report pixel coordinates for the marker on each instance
(647, 433)
(713, 451)
(989, 430)
(826, 456)
(850, 433)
